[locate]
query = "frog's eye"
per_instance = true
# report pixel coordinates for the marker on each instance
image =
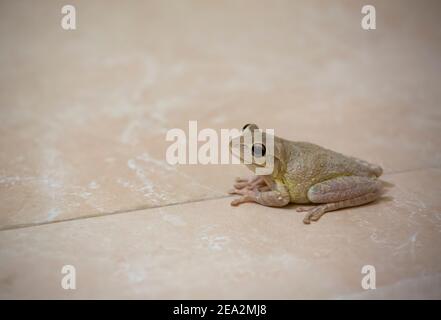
(246, 126)
(258, 150)
(250, 126)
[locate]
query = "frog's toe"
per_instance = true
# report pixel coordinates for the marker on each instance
(306, 220)
(240, 185)
(318, 212)
(235, 202)
(240, 200)
(312, 213)
(257, 184)
(242, 192)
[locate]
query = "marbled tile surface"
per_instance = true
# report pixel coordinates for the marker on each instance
(83, 176)
(208, 249)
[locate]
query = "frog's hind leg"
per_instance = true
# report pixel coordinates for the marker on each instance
(338, 193)
(376, 170)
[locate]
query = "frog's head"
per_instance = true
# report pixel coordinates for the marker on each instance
(258, 149)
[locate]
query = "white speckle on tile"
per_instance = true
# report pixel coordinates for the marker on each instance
(147, 186)
(216, 243)
(162, 164)
(93, 185)
(135, 276)
(52, 214)
(134, 273)
(84, 194)
(174, 219)
(8, 181)
(127, 136)
(124, 183)
(219, 119)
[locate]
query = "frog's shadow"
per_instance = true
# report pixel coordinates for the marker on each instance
(386, 185)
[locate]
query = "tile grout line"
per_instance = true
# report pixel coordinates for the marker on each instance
(102, 215)
(141, 208)
(409, 170)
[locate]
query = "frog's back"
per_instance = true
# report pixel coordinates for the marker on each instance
(308, 164)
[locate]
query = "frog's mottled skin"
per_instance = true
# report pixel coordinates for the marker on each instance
(308, 164)
(307, 173)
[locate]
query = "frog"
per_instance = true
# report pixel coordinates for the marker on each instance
(318, 179)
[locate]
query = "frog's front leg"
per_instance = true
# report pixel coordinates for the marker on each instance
(338, 193)
(275, 196)
(251, 183)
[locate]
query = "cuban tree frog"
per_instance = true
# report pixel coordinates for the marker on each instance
(304, 173)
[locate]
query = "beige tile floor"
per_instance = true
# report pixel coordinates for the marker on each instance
(83, 179)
